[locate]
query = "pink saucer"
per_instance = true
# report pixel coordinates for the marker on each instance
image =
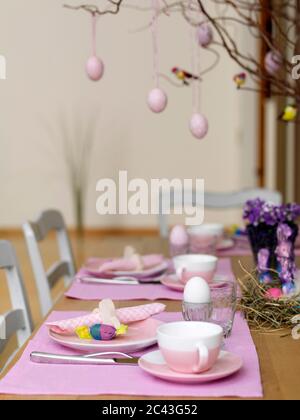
(92, 267)
(173, 282)
(154, 364)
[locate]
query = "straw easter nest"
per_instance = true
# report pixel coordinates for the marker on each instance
(262, 313)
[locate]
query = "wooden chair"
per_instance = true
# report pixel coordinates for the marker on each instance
(212, 201)
(18, 320)
(35, 233)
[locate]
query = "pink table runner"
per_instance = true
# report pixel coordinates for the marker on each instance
(91, 292)
(27, 378)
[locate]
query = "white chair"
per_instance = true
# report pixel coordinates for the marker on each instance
(211, 201)
(36, 232)
(18, 320)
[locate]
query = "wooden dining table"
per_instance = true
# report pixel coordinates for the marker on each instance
(279, 353)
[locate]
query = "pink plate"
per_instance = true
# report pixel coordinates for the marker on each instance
(92, 267)
(140, 335)
(226, 365)
(173, 282)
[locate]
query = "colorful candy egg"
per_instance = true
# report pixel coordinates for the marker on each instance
(100, 332)
(103, 332)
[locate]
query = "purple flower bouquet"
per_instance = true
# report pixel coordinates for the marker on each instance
(272, 232)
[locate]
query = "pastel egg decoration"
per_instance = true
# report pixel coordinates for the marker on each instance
(273, 62)
(100, 332)
(157, 100)
(95, 68)
(197, 291)
(205, 35)
(199, 126)
(274, 294)
(178, 240)
(103, 332)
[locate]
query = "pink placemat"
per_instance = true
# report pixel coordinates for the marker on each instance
(95, 292)
(27, 378)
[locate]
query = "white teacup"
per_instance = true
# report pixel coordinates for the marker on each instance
(207, 229)
(204, 238)
(195, 265)
(190, 347)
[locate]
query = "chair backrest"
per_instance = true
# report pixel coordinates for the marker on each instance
(36, 232)
(212, 200)
(18, 319)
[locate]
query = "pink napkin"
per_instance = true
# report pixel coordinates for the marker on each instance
(27, 378)
(128, 264)
(97, 292)
(125, 316)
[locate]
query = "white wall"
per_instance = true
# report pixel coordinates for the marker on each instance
(46, 47)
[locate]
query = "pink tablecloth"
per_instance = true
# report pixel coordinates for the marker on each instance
(27, 378)
(84, 291)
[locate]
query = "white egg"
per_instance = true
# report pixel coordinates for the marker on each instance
(197, 291)
(179, 236)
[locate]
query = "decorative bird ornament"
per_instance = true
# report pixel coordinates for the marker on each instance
(240, 80)
(289, 114)
(184, 76)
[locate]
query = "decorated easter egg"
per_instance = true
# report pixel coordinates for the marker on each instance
(94, 68)
(273, 62)
(157, 100)
(205, 35)
(197, 291)
(199, 126)
(179, 236)
(103, 332)
(274, 293)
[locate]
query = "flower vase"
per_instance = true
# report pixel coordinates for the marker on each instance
(273, 247)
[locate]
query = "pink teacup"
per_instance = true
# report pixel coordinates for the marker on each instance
(190, 347)
(194, 265)
(204, 238)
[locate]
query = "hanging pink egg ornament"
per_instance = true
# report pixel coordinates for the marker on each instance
(199, 126)
(157, 100)
(205, 35)
(273, 62)
(95, 68)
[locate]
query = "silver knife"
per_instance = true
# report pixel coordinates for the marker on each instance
(56, 359)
